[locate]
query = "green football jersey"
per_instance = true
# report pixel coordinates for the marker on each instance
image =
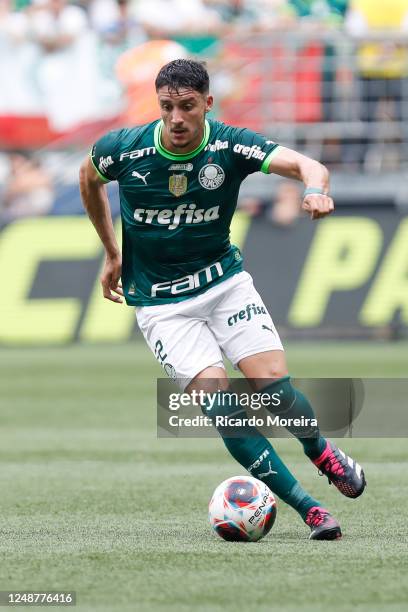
(176, 209)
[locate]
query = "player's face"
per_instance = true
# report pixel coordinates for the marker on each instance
(183, 115)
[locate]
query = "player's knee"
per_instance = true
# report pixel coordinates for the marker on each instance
(267, 378)
(275, 373)
(285, 394)
(209, 381)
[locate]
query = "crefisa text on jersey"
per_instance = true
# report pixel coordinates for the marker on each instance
(184, 214)
(218, 145)
(248, 152)
(104, 163)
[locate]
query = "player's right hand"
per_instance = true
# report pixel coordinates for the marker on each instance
(110, 279)
(318, 205)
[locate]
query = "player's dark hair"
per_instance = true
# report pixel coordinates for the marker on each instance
(182, 73)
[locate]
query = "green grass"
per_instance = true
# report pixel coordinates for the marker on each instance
(92, 501)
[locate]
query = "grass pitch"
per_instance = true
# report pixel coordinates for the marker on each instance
(92, 501)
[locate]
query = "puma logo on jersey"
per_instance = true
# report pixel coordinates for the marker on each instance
(184, 214)
(142, 177)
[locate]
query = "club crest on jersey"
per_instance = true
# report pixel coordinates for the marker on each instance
(211, 176)
(178, 184)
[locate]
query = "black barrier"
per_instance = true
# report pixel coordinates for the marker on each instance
(347, 273)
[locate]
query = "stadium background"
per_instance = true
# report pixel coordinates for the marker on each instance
(92, 501)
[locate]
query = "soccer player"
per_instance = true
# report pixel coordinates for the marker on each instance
(179, 179)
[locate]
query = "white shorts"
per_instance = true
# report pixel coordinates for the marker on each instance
(189, 336)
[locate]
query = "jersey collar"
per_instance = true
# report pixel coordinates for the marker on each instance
(177, 156)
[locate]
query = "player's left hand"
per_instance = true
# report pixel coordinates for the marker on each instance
(318, 205)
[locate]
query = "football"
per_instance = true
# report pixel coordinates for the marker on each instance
(242, 509)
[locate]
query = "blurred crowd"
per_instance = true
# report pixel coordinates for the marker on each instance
(83, 61)
(52, 50)
(28, 190)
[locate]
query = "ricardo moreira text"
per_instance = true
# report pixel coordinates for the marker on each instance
(247, 401)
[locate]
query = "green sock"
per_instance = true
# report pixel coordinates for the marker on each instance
(295, 405)
(255, 453)
(259, 457)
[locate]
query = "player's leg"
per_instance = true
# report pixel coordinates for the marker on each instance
(187, 350)
(248, 337)
(256, 454)
(268, 374)
(246, 333)
(180, 341)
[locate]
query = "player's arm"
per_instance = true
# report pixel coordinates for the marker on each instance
(315, 176)
(96, 204)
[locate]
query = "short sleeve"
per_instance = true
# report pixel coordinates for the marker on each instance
(252, 151)
(104, 156)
